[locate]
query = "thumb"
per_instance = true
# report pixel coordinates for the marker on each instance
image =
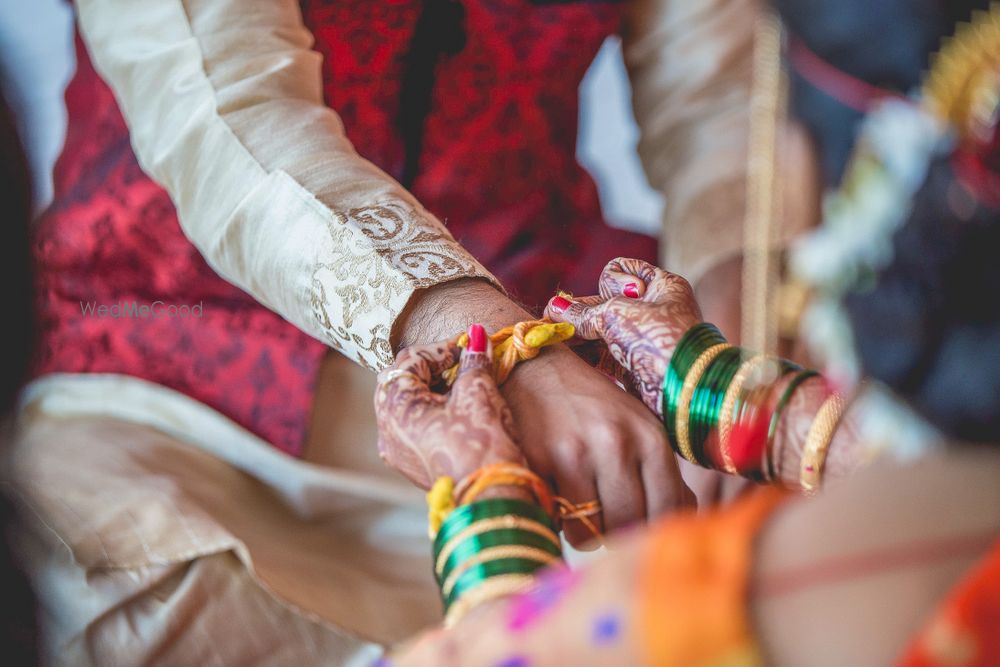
(588, 319)
(476, 361)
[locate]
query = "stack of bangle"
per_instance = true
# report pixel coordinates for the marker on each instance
(701, 339)
(489, 549)
(717, 407)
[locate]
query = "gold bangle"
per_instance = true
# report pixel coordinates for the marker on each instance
(687, 393)
(509, 521)
(729, 407)
(496, 553)
(818, 440)
(491, 589)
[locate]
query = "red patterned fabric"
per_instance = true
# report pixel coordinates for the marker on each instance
(497, 165)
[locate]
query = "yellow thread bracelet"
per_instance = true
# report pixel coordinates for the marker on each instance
(517, 343)
(440, 503)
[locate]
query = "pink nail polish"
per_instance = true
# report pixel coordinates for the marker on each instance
(477, 338)
(560, 304)
(631, 291)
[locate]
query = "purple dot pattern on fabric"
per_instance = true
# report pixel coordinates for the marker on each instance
(606, 628)
(514, 661)
(527, 608)
(382, 662)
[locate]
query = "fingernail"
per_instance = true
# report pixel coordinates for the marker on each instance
(477, 338)
(631, 291)
(560, 304)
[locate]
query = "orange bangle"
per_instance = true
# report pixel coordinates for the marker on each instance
(504, 474)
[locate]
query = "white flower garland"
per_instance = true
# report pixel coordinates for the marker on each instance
(897, 144)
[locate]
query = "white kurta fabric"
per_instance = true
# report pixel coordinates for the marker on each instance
(224, 103)
(691, 67)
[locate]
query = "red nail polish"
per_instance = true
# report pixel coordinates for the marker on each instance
(560, 304)
(477, 338)
(631, 291)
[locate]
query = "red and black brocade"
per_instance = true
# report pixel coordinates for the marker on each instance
(112, 236)
(497, 165)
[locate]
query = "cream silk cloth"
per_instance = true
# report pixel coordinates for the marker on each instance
(157, 531)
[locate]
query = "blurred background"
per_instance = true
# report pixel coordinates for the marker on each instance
(37, 61)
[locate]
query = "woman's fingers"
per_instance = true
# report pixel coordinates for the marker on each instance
(627, 277)
(475, 368)
(592, 300)
(405, 403)
(587, 319)
(422, 362)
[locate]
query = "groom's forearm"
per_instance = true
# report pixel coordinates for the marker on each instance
(445, 310)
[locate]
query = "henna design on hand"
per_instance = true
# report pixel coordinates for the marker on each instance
(424, 434)
(640, 333)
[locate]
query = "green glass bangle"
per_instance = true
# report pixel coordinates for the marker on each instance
(751, 400)
(697, 415)
(477, 574)
(466, 515)
(707, 400)
(502, 537)
(772, 427)
(692, 344)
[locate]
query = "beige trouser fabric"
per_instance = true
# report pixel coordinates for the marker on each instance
(156, 531)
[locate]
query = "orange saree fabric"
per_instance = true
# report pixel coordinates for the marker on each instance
(694, 583)
(965, 630)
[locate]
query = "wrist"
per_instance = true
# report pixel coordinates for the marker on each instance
(442, 311)
(790, 440)
(505, 479)
(508, 492)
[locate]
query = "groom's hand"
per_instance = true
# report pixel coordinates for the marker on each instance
(577, 428)
(594, 441)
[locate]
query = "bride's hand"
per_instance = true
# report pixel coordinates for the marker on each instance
(424, 434)
(641, 314)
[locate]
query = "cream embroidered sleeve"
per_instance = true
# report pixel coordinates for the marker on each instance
(690, 64)
(224, 103)
(691, 68)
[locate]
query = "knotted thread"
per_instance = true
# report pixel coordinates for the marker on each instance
(512, 345)
(517, 343)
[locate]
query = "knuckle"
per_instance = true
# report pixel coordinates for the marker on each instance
(476, 384)
(654, 447)
(616, 263)
(385, 450)
(570, 454)
(677, 281)
(620, 451)
(404, 358)
(477, 367)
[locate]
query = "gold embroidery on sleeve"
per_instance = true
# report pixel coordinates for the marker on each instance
(378, 256)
